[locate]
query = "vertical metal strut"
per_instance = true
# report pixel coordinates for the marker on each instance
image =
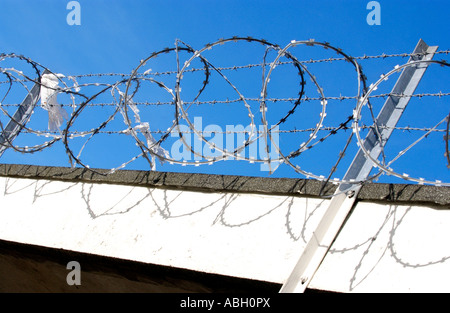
(345, 195)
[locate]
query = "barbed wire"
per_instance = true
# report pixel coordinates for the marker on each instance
(125, 102)
(228, 101)
(248, 66)
(280, 131)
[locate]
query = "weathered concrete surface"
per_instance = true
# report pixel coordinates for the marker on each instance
(207, 182)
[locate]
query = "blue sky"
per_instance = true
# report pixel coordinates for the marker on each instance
(115, 35)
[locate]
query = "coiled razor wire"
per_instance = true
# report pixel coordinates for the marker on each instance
(124, 91)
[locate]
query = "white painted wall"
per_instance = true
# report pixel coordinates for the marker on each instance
(390, 248)
(243, 235)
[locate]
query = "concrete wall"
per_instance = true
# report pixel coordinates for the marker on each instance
(385, 246)
(390, 248)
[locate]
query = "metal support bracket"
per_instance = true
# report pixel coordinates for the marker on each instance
(346, 194)
(22, 116)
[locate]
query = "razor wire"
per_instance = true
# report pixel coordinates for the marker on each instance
(123, 93)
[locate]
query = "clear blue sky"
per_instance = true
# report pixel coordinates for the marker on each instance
(115, 35)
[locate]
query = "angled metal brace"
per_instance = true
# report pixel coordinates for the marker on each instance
(346, 194)
(22, 116)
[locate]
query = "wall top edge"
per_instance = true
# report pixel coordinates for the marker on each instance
(396, 193)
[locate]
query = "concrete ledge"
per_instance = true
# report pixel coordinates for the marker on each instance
(395, 193)
(32, 268)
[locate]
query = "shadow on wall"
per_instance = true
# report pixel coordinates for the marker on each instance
(233, 210)
(392, 236)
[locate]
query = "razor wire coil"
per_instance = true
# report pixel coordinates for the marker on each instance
(123, 93)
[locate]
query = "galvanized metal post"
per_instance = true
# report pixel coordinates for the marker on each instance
(20, 117)
(345, 195)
